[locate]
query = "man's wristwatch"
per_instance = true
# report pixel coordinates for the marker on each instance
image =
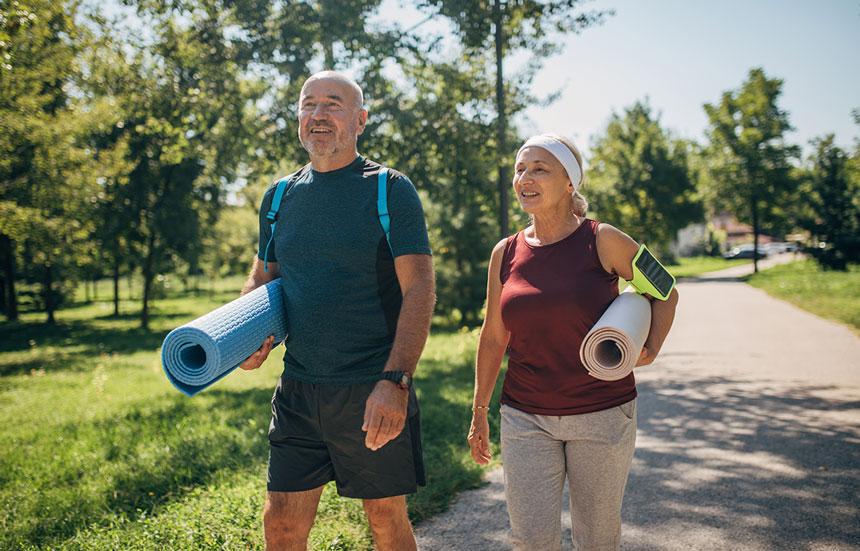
(400, 378)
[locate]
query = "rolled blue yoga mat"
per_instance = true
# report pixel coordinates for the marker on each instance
(201, 352)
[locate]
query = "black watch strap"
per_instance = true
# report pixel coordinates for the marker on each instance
(400, 378)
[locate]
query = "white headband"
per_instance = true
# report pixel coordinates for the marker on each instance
(560, 152)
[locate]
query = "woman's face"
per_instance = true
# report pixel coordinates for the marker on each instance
(540, 182)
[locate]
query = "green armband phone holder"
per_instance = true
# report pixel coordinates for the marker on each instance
(649, 276)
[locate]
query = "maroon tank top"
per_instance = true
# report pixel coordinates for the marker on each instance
(551, 297)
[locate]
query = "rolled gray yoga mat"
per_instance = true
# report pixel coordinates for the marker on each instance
(201, 352)
(612, 347)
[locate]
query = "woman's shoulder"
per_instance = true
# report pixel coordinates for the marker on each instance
(500, 247)
(609, 234)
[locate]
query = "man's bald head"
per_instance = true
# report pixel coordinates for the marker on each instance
(351, 85)
(331, 118)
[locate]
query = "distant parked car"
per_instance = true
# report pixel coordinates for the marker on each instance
(779, 247)
(745, 251)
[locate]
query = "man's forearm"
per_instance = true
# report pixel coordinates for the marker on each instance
(413, 326)
(258, 277)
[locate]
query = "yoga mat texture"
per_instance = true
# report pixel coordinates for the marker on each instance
(612, 347)
(203, 351)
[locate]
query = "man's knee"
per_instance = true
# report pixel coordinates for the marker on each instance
(388, 512)
(289, 516)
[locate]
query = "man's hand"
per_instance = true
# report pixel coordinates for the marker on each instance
(256, 359)
(384, 414)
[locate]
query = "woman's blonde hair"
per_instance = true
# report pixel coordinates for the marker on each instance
(580, 203)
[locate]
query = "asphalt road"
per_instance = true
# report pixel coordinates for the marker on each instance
(749, 436)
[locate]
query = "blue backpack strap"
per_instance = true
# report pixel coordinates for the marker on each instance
(283, 185)
(382, 204)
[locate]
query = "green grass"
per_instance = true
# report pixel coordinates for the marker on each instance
(100, 452)
(697, 265)
(829, 294)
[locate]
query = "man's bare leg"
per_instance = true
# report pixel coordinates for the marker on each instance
(288, 518)
(390, 524)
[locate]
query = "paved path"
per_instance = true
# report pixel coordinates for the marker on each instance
(749, 436)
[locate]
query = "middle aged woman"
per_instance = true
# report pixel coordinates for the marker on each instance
(547, 286)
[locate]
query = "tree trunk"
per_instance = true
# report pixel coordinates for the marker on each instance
(328, 17)
(328, 49)
(147, 282)
(501, 121)
(10, 297)
(755, 232)
(116, 287)
(49, 293)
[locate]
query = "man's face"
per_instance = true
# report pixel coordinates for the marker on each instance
(330, 118)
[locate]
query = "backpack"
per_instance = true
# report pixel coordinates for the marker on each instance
(285, 184)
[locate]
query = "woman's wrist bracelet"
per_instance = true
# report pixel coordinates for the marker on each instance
(476, 408)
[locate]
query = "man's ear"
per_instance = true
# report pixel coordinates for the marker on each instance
(362, 121)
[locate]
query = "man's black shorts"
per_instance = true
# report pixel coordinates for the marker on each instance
(315, 436)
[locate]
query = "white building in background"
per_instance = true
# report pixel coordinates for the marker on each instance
(694, 239)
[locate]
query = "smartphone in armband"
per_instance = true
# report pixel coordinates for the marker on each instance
(651, 277)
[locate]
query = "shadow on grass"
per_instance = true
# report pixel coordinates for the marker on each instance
(774, 466)
(135, 316)
(77, 344)
(152, 455)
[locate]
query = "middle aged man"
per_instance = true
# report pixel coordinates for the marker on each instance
(358, 311)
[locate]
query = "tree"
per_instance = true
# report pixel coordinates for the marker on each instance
(44, 165)
(833, 195)
(184, 117)
(639, 180)
(436, 133)
(750, 161)
(506, 27)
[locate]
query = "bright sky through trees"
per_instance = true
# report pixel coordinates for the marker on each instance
(683, 53)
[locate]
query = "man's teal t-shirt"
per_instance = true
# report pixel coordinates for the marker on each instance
(342, 294)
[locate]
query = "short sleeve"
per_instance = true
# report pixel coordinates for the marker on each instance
(266, 229)
(408, 232)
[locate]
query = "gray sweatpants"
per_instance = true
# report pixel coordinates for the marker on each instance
(594, 450)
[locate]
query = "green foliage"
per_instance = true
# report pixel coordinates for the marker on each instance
(831, 191)
(507, 27)
(227, 249)
(437, 135)
(638, 179)
(749, 161)
(182, 112)
(46, 170)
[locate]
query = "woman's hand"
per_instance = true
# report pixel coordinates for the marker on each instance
(479, 437)
(645, 357)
